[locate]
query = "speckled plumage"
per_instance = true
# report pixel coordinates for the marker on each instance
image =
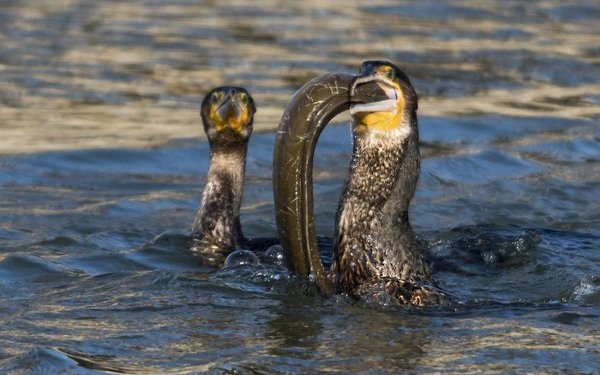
(374, 243)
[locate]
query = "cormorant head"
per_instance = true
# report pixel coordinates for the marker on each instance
(227, 114)
(387, 114)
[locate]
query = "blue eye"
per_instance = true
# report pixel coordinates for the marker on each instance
(245, 99)
(389, 74)
(214, 99)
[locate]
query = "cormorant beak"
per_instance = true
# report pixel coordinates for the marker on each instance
(388, 86)
(231, 112)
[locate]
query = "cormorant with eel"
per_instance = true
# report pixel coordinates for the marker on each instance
(227, 115)
(374, 248)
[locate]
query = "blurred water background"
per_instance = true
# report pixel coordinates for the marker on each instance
(102, 161)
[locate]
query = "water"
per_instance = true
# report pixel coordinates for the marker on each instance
(103, 163)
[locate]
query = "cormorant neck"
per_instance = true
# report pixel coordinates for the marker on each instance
(373, 236)
(217, 227)
(372, 187)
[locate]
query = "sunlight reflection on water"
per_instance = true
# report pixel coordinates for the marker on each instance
(132, 74)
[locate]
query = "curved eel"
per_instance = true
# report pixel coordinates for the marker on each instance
(304, 118)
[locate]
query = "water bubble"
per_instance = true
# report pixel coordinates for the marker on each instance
(241, 258)
(274, 255)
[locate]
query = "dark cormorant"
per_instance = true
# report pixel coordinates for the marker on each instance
(227, 115)
(374, 243)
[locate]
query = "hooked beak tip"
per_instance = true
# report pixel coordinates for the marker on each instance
(359, 79)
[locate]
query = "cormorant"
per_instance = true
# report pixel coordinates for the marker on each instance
(227, 115)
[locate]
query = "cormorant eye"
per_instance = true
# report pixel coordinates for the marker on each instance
(245, 99)
(214, 99)
(389, 73)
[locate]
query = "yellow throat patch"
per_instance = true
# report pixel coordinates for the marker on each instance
(382, 121)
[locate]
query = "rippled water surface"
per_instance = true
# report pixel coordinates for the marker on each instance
(103, 161)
